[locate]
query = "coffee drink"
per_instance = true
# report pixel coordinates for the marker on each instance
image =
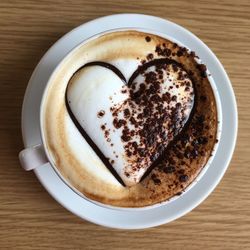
(129, 119)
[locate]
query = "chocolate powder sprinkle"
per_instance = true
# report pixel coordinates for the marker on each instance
(101, 113)
(126, 113)
(169, 169)
(183, 178)
(163, 51)
(150, 117)
(150, 56)
(182, 51)
(157, 181)
(203, 70)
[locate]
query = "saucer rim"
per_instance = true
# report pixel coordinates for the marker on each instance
(156, 20)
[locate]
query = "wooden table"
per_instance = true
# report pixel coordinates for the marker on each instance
(30, 218)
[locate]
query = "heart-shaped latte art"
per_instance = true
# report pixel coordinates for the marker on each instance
(130, 124)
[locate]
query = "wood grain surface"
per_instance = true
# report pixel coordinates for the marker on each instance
(29, 217)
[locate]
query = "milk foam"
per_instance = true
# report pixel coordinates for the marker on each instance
(97, 88)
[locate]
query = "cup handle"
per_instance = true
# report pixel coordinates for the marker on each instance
(33, 157)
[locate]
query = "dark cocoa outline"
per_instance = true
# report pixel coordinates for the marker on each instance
(131, 79)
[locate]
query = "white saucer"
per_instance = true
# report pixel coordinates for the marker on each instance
(130, 219)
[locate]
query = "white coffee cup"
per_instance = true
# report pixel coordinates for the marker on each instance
(38, 155)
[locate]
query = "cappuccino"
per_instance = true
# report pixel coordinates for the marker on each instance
(129, 119)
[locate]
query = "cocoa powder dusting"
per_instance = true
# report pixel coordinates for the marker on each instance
(101, 113)
(146, 120)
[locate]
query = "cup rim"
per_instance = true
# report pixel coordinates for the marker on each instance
(200, 174)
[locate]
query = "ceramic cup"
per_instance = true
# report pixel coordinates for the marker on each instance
(38, 155)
